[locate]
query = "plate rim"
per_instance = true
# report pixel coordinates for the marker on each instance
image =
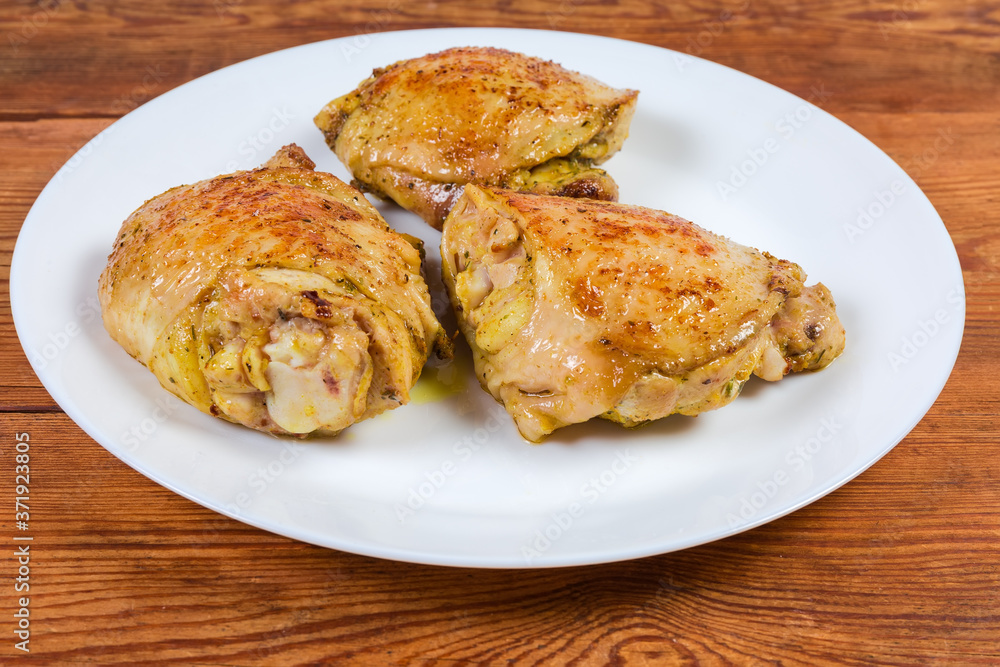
(79, 416)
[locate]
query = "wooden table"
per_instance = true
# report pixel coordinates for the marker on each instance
(900, 566)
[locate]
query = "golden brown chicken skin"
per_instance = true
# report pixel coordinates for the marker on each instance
(577, 309)
(418, 130)
(277, 298)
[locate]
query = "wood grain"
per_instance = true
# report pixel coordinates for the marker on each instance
(900, 566)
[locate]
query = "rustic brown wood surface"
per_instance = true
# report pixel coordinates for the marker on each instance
(901, 566)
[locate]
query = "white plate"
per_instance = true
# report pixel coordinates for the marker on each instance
(446, 479)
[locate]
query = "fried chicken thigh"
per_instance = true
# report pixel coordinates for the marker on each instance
(418, 130)
(577, 309)
(277, 298)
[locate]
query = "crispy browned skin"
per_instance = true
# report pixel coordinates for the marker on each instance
(419, 129)
(277, 298)
(577, 309)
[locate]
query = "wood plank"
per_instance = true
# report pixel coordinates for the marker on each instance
(66, 67)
